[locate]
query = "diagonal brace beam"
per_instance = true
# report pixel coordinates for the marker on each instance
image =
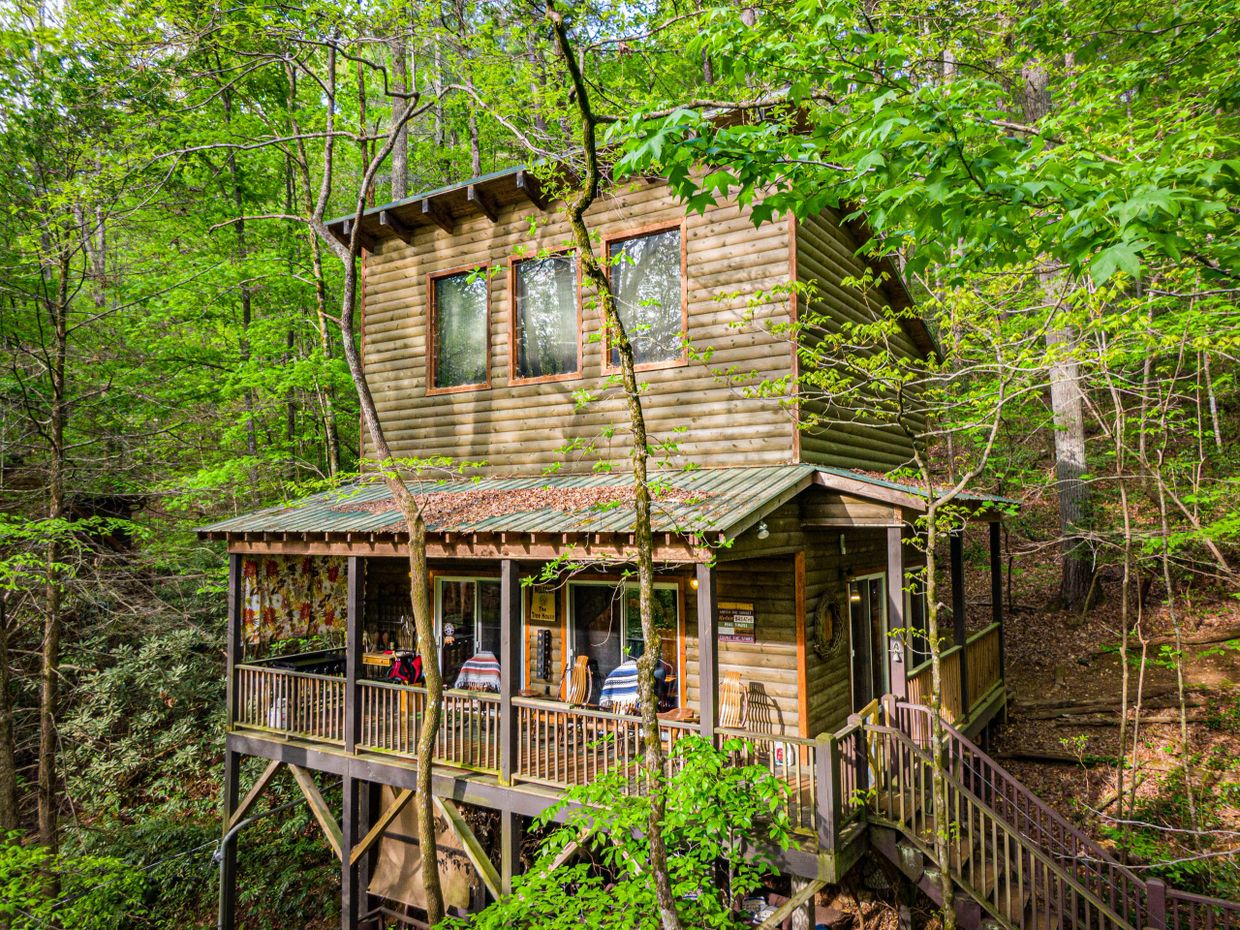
(260, 785)
(384, 821)
(791, 905)
(473, 849)
(318, 807)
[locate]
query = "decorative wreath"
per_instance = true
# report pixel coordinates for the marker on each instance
(827, 625)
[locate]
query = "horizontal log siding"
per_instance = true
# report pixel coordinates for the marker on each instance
(523, 426)
(825, 257)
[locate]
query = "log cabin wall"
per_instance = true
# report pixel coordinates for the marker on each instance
(522, 427)
(825, 257)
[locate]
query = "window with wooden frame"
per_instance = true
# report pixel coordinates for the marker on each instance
(546, 322)
(648, 281)
(460, 331)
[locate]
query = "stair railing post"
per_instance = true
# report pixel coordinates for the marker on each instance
(859, 760)
(827, 774)
(1156, 897)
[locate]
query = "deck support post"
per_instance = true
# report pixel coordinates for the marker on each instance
(802, 916)
(351, 890)
(708, 649)
(956, 540)
(512, 832)
(897, 646)
(353, 653)
(227, 919)
(996, 592)
(509, 666)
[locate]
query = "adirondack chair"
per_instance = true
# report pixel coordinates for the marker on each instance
(577, 685)
(733, 701)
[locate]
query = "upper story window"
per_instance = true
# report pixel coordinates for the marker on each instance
(460, 331)
(545, 319)
(647, 281)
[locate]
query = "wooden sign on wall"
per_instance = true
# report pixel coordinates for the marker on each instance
(736, 622)
(542, 606)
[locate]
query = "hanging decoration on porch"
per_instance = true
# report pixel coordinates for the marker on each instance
(285, 597)
(827, 624)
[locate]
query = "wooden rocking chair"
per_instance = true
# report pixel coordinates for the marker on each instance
(733, 701)
(577, 685)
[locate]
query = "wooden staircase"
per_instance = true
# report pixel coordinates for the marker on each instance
(1014, 863)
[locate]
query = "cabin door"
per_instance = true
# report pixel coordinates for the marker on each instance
(867, 603)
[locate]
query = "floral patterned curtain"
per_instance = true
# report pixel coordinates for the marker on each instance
(286, 597)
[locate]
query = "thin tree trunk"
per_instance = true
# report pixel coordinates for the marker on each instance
(48, 781)
(617, 338)
(8, 757)
(400, 84)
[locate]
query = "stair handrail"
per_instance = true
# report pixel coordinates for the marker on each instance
(1030, 848)
(1093, 850)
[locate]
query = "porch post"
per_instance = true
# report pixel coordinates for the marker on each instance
(897, 650)
(234, 647)
(996, 592)
(350, 888)
(708, 649)
(957, 572)
(353, 653)
(509, 666)
(227, 919)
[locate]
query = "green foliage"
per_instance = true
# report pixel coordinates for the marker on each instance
(94, 892)
(722, 826)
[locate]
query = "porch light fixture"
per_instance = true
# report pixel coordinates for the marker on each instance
(763, 532)
(693, 583)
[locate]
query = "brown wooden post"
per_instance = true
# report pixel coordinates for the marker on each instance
(353, 653)
(509, 666)
(512, 832)
(1156, 895)
(996, 592)
(227, 918)
(956, 538)
(234, 649)
(827, 774)
(351, 893)
(708, 649)
(897, 650)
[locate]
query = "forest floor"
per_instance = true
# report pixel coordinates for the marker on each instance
(1065, 680)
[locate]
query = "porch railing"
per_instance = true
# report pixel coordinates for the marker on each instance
(561, 745)
(290, 703)
(468, 736)
(981, 654)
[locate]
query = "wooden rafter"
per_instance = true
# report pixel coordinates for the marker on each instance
(532, 189)
(318, 807)
(438, 214)
(483, 202)
(473, 849)
(365, 238)
(260, 785)
(384, 821)
(396, 226)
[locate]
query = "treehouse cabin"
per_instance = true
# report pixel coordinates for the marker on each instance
(784, 599)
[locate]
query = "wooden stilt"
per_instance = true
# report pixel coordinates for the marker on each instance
(228, 854)
(350, 891)
(512, 831)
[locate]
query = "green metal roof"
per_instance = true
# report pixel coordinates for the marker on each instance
(716, 500)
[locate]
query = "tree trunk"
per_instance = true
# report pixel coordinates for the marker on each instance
(617, 337)
(8, 757)
(400, 84)
(1067, 402)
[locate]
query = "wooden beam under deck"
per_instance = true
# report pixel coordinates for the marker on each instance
(527, 800)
